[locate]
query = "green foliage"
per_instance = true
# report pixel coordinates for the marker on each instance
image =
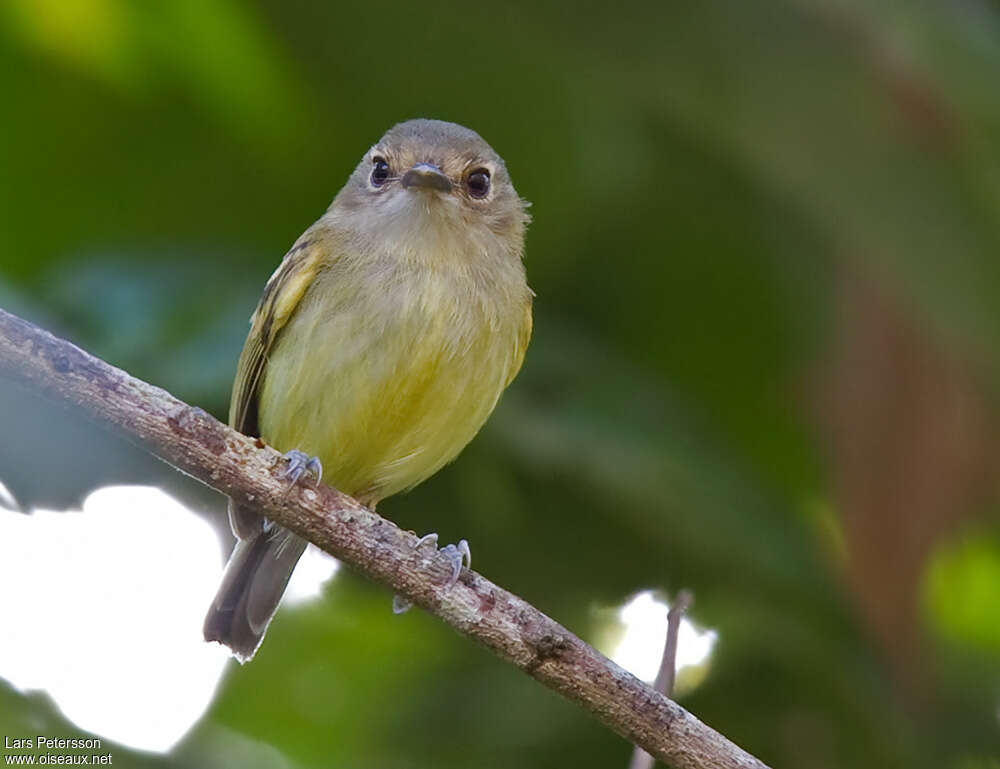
(960, 593)
(700, 176)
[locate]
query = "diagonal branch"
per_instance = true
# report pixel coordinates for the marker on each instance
(249, 472)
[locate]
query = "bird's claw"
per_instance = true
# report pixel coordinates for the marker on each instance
(300, 463)
(457, 555)
(401, 605)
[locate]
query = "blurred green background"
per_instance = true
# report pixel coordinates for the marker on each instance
(766, 363)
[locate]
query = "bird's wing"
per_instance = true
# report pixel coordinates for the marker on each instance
(282, 295)
(520, 344)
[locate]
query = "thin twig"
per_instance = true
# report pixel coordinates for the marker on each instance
(668, 665)
(250, 473)
(665, 676)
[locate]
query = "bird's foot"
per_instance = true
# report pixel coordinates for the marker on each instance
(457, 555)
(300, 463)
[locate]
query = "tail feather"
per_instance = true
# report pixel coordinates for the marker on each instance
(255, 579)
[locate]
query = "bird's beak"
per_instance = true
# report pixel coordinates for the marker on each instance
(426, 176)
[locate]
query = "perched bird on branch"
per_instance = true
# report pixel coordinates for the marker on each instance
(381, 344)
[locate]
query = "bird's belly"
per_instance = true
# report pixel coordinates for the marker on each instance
(384, 402)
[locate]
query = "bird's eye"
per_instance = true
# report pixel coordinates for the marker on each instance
(380, 171)
(478, 183)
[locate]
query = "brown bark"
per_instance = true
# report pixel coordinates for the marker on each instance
(249, 472)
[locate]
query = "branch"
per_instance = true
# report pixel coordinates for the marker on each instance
(250, 472)
(664, 682)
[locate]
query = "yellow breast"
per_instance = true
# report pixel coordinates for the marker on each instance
(385, 372)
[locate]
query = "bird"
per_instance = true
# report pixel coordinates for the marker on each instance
(380, 345)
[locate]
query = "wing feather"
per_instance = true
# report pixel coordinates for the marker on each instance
(282, 294)
(520, 344)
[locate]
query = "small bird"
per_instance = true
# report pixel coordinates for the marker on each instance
(381, 344)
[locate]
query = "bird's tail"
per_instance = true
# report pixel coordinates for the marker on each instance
(255, 579)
